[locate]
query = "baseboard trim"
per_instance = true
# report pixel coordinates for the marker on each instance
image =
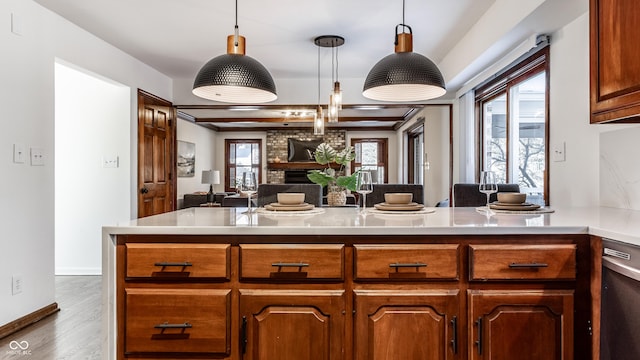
(23, 322)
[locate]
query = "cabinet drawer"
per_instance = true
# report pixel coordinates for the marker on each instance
(522, 262)
(178, 260)
(177, 320)
(292, 262)
(406, 262)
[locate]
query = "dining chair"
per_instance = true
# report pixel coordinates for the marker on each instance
(470, 195)
(377, 195)
(268, 193)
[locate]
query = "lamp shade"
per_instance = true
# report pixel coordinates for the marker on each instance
(404, 76)
(215, 177)
(235, 78)
(207, 177)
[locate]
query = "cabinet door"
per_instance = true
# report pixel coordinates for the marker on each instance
(615, 70)
(292, 324)
(521, 324)
(406, 324)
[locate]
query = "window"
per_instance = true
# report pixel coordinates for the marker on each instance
(242, 156)
(514, 126)
(371, 155)
(415, 141)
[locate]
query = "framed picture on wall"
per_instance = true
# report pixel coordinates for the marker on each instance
(186, 159)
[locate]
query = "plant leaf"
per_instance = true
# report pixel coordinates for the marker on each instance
(319, 177)
(325, 154)
(349, 182)
(345, 156)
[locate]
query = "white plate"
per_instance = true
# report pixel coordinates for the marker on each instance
(404, 207)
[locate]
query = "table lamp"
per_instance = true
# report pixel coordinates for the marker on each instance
(211, 177)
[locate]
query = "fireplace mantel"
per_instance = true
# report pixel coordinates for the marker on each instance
(299, 165)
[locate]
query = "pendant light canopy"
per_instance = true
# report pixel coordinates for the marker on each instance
(335, 98)
(235, 77)
(404, 75)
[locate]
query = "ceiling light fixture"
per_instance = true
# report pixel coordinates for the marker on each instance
(404, 75)
(235, 77)
(335, 98)
(318, 119)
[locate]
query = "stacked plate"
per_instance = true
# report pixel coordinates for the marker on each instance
(496, 205)
(412, 206)
(293, 207)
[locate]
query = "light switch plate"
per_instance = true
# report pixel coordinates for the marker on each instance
(558, 152)
(19, 154)
(37, 156)
(110, 161)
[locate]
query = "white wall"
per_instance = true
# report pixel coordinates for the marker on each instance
(84, 139)
(27, 99)
(573, 182)
(205, 141)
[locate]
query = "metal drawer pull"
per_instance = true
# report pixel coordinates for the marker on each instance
(401, 265)
(165, 264)
(525, 265)
(479, 341)
(454, 340)
(281, 264)
(165, 325)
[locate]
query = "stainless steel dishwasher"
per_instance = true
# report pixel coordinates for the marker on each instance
(620, 316)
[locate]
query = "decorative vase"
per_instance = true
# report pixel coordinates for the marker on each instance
(336, 196)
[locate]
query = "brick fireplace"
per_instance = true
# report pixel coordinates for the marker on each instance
(276, 148)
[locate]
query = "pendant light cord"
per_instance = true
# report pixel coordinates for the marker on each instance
(318, 76)
(236, 27)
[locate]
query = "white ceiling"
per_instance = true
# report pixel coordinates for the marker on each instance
(177, 37)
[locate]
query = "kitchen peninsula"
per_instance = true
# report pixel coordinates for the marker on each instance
(453, 284)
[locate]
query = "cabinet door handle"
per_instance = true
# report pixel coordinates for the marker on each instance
(165, 325)
(283, 264)
(403, 265)
(165, 264)
(527, 265)
(479, 342)
(243, 335)
(454, 329)
(399, 265)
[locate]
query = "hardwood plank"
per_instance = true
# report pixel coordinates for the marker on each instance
(71, 333)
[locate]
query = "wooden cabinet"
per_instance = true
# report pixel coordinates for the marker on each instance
(522, 297)
(410, 324)
(518, 320)
(292, 324)
(521, 324)
(614, 54)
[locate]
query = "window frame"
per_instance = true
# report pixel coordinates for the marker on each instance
(228, 165)
(383, 152)
(527, 67)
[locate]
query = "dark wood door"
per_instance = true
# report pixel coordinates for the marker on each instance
(292, 324)
(521, 324)
(615, 69)
(406, 324)
(156, 155)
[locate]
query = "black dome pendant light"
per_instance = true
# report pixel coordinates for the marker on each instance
(235, 77)
(404, 75)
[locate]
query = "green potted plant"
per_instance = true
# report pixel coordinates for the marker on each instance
(335, 180)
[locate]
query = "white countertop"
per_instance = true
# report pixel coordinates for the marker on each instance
(619, 224)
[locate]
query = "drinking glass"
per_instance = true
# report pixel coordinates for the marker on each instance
(364, 186)
(249, 186)
(488, 184)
